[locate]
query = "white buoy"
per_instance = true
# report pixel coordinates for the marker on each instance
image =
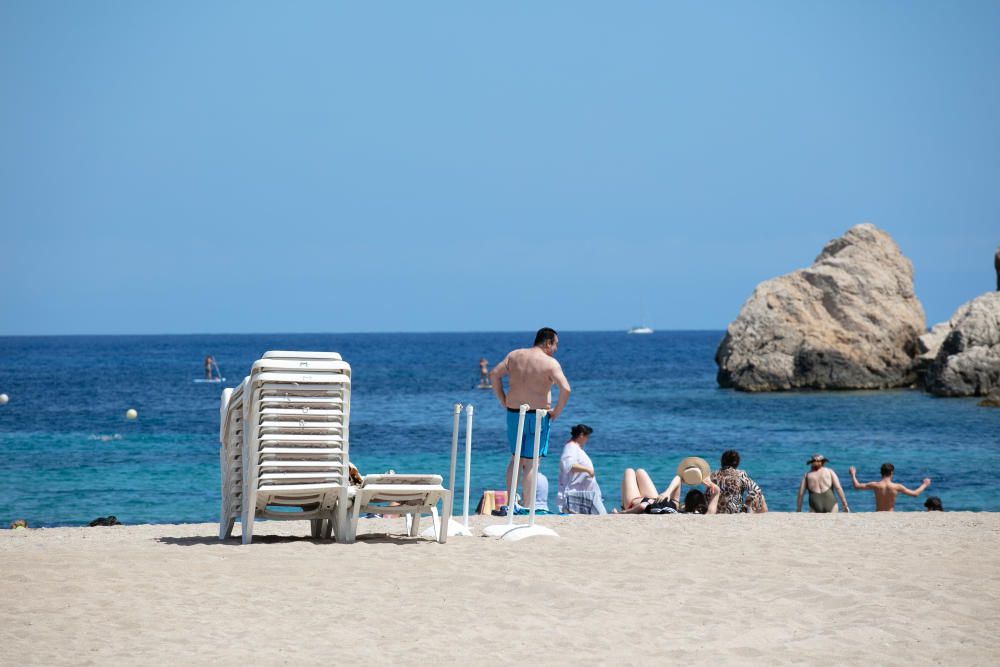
(131, 413)
(3, 399)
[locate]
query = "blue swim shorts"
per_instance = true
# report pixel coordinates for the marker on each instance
(528, 439)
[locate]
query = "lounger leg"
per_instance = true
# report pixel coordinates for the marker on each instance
(316, 528)
(415, 524)
(226, 527)
(247, 517)
(446, 503)
(350, 523)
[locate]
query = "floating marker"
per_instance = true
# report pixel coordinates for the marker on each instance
(131, 413)
(3, 399)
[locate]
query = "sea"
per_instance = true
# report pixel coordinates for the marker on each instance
(70, 454)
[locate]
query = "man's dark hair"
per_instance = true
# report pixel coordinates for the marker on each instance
(887, 469)
(544, 335)
(730, 459)
(933, 504)
(695, 503)
(580, 429)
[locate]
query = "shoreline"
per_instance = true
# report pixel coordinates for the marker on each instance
(916, 587)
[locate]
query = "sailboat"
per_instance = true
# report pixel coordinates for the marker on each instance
(642, 328)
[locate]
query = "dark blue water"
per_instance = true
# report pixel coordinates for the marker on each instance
(70, 454)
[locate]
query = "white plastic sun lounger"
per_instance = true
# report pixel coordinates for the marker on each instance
(231, 459)
(407, 495)
(284, 440)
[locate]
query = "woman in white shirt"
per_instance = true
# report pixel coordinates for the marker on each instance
(578, 489)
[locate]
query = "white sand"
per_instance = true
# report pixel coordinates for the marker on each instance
(902, 588)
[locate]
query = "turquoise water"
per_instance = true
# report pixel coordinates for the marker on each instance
(71, 455)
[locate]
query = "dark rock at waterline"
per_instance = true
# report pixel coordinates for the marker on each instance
(967, 359)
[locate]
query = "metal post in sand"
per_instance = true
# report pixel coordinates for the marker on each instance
(531, 530)
(498, 530)
(454, 527)
(468, 465)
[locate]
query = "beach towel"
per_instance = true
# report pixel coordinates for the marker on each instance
(490, 501)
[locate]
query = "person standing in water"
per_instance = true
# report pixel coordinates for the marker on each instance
(821, 483)
(209, 364)
(484, 372)
(885, 489)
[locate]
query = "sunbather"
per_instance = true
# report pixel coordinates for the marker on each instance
(639, 494)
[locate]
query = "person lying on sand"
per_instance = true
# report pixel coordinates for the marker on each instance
(639, 494)
(885, 489)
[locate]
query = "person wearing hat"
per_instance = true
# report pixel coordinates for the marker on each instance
(821, 482)
(639, 494)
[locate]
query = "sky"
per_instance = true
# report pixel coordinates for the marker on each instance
(242, 167)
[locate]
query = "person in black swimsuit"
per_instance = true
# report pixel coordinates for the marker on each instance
(821, 482)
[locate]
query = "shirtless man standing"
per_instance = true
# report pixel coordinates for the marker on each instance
(532, 371)
(821, 482)
(885, 489)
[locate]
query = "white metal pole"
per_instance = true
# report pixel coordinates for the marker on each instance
(512, 492)
(539, 416)
(454, 446)
(468, 463)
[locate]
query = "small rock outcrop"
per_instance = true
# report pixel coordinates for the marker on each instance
(967, 360)
(849, 321)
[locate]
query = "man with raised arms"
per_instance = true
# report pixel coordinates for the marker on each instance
(531, 372)
(885, 489)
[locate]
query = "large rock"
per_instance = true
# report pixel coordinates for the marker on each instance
(967, 361)
(849, 321)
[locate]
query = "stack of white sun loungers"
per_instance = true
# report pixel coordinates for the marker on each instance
(287, 427)
(284, 436)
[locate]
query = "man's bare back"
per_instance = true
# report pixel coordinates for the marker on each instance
(886, 490)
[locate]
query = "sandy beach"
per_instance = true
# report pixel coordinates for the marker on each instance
(907, 588)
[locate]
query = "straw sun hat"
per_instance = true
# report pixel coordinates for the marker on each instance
(693, 470)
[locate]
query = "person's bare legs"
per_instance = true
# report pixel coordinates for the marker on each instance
(636, 485)
(528, 486)
(525, 478)
(510, 478)
(645, 482)
(630, 489)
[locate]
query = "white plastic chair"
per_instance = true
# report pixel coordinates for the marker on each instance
(413, 494)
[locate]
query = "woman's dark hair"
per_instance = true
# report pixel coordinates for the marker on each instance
(933, 504)
(580, 429)
(730, 459)
(695, 503)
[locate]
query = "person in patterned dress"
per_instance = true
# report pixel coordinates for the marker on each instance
(739, 492)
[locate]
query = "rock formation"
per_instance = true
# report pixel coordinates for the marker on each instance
(967, 357)
(849, 321)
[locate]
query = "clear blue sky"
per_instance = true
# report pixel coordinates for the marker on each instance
(189, 167)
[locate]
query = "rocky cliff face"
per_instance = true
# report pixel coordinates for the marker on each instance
(849, 321)
(967, 359)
